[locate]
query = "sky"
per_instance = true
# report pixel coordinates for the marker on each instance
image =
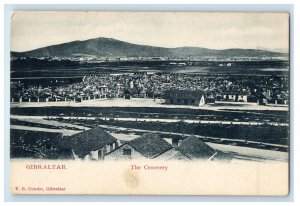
(35, 29)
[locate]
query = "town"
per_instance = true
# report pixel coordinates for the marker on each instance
(173, 88)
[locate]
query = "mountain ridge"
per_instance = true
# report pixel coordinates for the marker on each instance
(104, 47)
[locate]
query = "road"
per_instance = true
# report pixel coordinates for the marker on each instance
(143, 102)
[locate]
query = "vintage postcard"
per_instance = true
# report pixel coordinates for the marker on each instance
(149, 103)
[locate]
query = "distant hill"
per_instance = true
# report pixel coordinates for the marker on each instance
(112, 47)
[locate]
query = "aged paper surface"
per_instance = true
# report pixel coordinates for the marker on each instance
(149, 103)
(243, 178)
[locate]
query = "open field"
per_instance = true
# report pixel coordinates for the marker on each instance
(253, 130)
(27, 68)
(258, 133)
(147, 109)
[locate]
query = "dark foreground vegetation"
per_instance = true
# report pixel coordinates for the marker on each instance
(263, 133)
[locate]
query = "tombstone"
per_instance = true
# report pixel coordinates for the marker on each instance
(202, 101)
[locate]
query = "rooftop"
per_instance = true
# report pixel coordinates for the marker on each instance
(92, 139)
(150, 145)
(183, 94)
(194, 148)
(172, 154)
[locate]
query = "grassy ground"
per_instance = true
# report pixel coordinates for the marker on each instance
(262, 133)
(157, 112)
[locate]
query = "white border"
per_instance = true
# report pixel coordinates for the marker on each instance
(294, 80)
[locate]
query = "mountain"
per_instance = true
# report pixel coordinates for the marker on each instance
(278, 50)
(112, 47)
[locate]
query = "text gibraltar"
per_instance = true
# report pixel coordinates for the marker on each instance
(46, 167)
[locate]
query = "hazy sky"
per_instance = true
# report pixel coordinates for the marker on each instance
(31, 30)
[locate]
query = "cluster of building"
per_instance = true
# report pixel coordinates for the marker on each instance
(97, 144)
(189, 60)
(174, 88)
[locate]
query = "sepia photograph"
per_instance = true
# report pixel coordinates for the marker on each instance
(192, 103)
